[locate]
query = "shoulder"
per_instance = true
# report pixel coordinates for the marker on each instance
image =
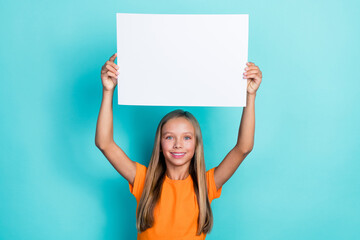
(137, 188)
(213, 192)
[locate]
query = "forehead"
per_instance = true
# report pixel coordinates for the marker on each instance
(178, 125)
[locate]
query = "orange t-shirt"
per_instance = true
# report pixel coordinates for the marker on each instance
(176, 213)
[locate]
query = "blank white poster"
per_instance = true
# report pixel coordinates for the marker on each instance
(182, 59)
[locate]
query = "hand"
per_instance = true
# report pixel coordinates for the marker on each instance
(109, 74)
(254, 76)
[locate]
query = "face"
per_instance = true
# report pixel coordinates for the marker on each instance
(178, 141)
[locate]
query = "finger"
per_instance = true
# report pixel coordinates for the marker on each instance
(250, 64)
(257, 79)
(251, 71)
(112, 64)
(110, 68)
(252, 76)
(251, 68)
(112, 58)
(112, 75)
(103, 68)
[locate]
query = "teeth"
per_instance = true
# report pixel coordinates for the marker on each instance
(178, 154)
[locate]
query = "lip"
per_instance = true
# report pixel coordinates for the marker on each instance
(178, 154)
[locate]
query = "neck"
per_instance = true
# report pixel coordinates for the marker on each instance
(177, 172)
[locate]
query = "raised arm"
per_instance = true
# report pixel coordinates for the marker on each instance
(245, 141)
(104, 128)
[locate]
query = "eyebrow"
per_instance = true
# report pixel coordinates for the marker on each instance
(184, 133)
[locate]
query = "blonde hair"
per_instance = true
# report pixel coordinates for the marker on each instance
(156, 174)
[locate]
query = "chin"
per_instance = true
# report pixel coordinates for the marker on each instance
(178, 161)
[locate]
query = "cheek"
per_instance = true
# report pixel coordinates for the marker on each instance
(164, 145)
(191, 146)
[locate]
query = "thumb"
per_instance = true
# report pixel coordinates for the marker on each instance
(112, 58)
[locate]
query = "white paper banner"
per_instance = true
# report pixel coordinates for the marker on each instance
(182, 59)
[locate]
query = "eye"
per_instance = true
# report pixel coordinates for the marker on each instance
(187, 138)
(168, 137)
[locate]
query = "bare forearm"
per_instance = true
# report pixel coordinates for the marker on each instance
(104, 127)
(247, 127)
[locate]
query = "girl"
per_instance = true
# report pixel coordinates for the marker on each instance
(174, 193)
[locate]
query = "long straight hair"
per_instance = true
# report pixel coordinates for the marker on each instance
(156, 174)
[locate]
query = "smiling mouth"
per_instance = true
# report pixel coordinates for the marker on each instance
(177, 154)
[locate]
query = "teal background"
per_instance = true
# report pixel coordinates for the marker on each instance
(301, 181)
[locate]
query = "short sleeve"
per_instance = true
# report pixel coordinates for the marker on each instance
(139, 181)
(212, 192)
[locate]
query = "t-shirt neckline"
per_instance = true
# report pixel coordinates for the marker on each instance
(187, 179)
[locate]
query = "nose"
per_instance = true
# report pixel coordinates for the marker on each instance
(177, 144)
